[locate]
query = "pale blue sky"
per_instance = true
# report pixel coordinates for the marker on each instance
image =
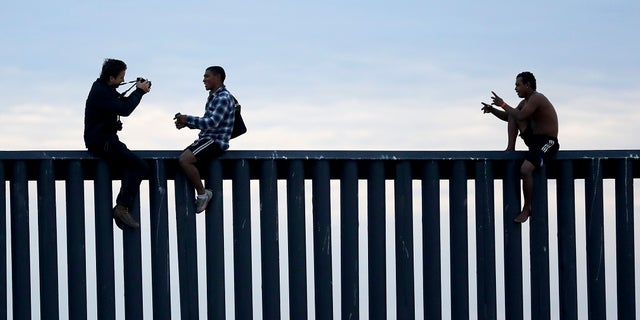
(330, 75)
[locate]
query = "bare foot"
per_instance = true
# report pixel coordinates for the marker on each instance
(523, 216)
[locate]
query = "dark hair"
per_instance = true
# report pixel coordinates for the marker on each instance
(111, 68)
(219, 71)
(527, 77)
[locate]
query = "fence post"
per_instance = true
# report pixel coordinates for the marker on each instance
(459, 240)
(349, 240)
(20, 248)
(539, 247)
(187, 247)
(431, 255)
(3, 243)
(296, 229)
(567, 241)
(215, 244)
(512, 243)
(322, 240)
(48, 239)
(485, 241)
(159, 228)
(377, 244)
(595, 241)
(269, 240)
(625, 240)
(132, 259)
(404, 241)
(242, 240)
(104, 242)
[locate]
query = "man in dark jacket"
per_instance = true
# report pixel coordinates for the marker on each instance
(103, 110)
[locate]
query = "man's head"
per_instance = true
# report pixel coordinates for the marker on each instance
(113, 72)
(214, 78)
(525, 84)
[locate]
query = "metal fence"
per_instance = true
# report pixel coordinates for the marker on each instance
(391, 179)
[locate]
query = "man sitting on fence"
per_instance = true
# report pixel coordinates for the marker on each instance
(103, 110)
(536, 119)
(215, 127)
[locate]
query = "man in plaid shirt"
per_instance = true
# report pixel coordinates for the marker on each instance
(215, 131)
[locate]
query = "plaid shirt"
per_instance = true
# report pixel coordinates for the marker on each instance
(217, 121)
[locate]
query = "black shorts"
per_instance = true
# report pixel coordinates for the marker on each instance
(205, 149)
(541, 148)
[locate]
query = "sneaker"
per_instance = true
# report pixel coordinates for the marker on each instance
(123, 218)
(202, 202)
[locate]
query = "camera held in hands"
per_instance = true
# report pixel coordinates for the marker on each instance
(134, 82)
(140, 79)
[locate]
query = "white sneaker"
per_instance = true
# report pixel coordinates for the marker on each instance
(202, 202)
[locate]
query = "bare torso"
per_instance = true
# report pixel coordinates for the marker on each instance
(540, 115)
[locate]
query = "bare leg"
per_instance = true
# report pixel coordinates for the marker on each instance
(526, 170)
(188, 164)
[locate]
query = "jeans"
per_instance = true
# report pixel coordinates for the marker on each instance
(133, 169)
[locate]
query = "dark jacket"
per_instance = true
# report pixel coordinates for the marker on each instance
(104, 105)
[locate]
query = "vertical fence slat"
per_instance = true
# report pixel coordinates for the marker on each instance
(431, 256)
(595, 241)
(349, 240)
(297, 241)
(269, 240)
(567, 241)
(512, 243)
(458, 240)
(3, 243)
(539, 248)
(104, 242)
(76, 244)
(322, 240)
(187, 247)
(20, 248)
(48, 240)
(215, 244)
(625, 240)
(404, 241)
(159, 228)
(485, 241)
(132, 259)
(242, 240)
(377, 242)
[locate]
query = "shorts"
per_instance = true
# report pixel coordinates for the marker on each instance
(541, 148)
(205, 149)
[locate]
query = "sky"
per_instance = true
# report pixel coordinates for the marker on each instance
(337, 75)
(331, 75)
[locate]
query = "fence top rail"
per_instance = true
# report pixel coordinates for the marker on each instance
(332, 155)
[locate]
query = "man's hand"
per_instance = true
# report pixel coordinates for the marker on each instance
(180, 120)
(144, 85)
(486, 107)
(497, 101)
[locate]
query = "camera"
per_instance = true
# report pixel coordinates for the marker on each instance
(140, 79)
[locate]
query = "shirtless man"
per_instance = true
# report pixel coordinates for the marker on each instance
(537, 121)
